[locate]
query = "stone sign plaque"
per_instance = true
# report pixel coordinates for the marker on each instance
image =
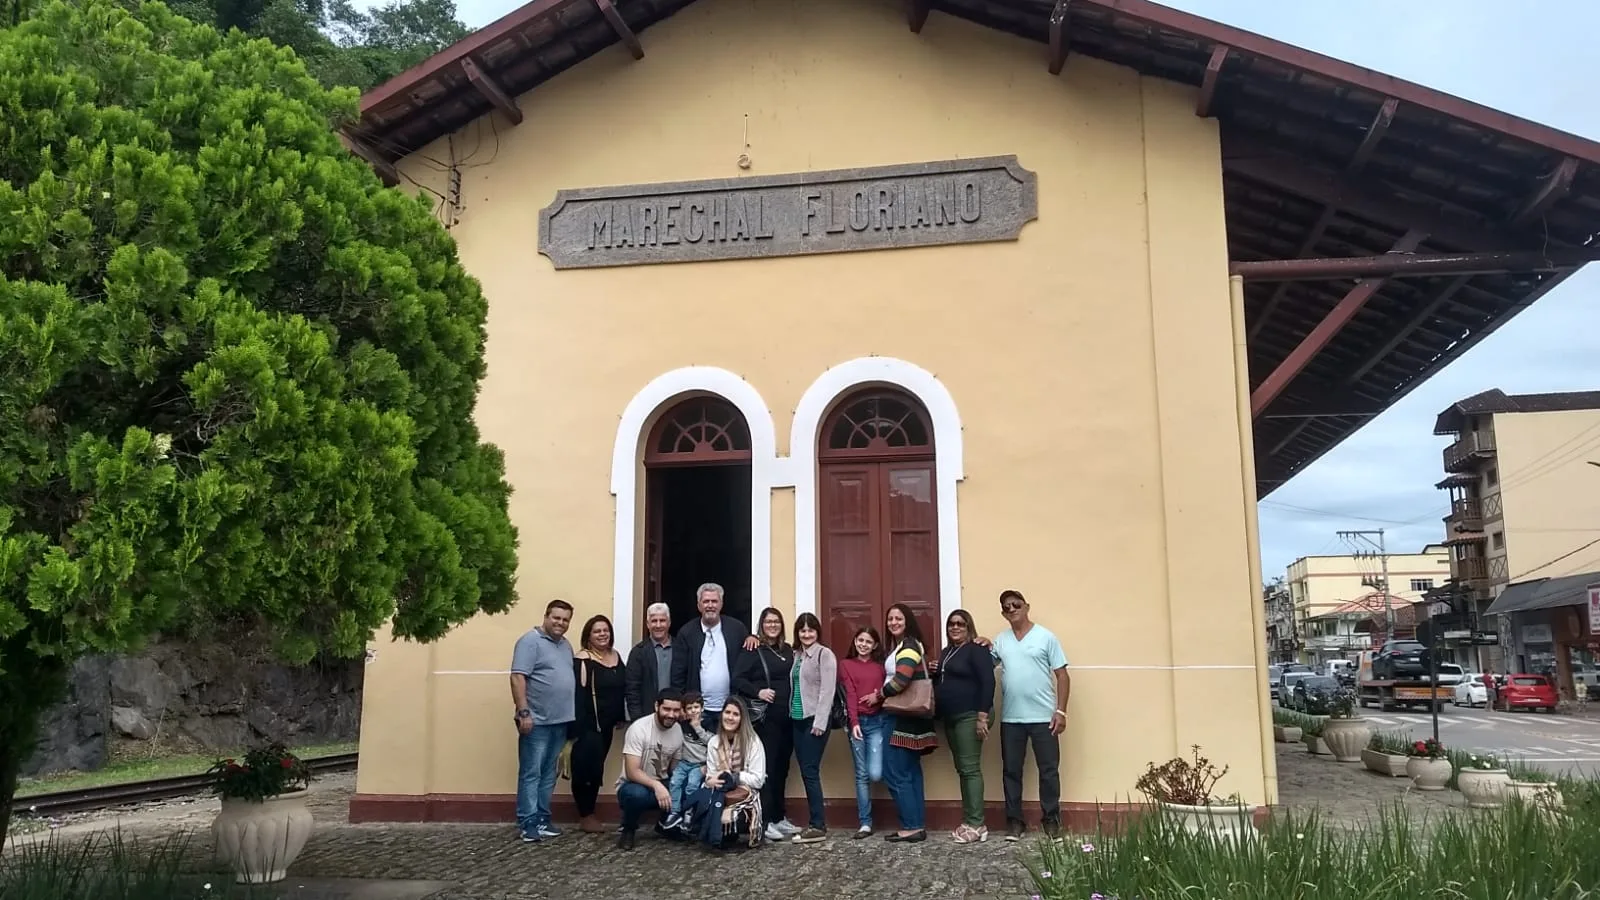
(915, 205)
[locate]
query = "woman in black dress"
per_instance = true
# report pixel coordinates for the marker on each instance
(601, 682)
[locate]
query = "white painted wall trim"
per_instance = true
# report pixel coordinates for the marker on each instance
(625, 467)
(949, 466)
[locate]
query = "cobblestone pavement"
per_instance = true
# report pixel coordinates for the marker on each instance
(487, 862)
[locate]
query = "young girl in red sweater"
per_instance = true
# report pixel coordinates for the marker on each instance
(862, 675)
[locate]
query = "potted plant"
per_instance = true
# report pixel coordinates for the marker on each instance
(1534, 786)
(1312, 734)
(1183, 788)
(1285, 726)
(1385, 754)
(264, 822)
(1428, 765)
(1345, 733)
(1483, 780)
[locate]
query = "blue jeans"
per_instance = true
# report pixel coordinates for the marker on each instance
(808, 750)
(686, 777)
(537, 754)
(635, 800)
(867, 754)
(902, 771)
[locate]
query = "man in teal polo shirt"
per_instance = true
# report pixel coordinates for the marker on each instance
(1033, 710)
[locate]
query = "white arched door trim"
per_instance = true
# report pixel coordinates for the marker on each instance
(949, 466)
(625, 466)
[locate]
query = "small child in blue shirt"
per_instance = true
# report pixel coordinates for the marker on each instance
(686, 775)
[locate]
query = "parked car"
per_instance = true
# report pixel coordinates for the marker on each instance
(1286, 690)
(1274, 680)
(1521, 691)
(1450, 673)
(1314, 693)
(1400, 659)
(1472, 691)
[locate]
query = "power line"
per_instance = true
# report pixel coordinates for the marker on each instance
(1275, 504)
(1556, 560)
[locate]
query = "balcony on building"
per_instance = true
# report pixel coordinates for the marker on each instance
(1473, 571)
(1466, 516)
(1468, 449)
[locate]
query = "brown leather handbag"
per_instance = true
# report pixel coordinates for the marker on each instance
(916, 701)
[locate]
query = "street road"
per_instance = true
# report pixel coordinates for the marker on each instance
(1557, 744)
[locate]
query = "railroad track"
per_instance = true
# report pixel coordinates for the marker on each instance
(112, 795)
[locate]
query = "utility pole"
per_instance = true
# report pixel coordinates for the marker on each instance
(1369, 544)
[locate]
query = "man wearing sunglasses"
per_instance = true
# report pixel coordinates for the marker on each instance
(1034, 688)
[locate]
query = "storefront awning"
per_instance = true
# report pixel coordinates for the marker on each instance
(1543, 594)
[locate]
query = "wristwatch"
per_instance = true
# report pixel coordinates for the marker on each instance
(524, 713)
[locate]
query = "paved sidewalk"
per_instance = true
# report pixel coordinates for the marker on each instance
(486, 862)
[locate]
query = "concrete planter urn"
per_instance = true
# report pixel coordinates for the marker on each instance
(1286, 734)
(1536, 793)
(1383, 763)
(1484, 788)
(1428, 774)
(1315, 744)
(1220, 819)
(259, 840)
(1346, 738)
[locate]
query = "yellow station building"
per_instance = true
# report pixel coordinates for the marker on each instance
(842, 303)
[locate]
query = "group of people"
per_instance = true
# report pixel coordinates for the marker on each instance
(713, 716)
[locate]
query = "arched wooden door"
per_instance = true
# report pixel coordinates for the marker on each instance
(877, 515)
(697, 507)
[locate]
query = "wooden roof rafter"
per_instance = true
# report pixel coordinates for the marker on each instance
(1350, 161)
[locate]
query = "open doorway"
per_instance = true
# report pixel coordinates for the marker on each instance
(704, 521)
(697, 508)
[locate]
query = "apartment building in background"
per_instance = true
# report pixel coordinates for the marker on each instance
(1324, 592)
(1523, 477)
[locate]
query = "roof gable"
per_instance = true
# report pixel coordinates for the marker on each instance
(1321, 159)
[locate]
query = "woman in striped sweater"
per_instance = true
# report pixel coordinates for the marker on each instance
(913, 736)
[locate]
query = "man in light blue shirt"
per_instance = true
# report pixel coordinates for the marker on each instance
(544, 689)
(1033, 710)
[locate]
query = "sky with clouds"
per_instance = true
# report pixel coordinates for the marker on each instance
(1534, 61)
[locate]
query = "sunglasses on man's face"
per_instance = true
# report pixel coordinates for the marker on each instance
(1011, 606)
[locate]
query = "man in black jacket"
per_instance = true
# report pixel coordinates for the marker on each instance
(706, 651)
(649, 664)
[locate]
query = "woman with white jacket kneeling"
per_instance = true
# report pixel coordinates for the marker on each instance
(736, 766)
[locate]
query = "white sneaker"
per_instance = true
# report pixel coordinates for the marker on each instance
(773, 833)
(788, 828)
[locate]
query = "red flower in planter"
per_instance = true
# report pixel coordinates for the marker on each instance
(286, 762)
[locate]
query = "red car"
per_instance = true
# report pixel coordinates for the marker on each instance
(1526, 692)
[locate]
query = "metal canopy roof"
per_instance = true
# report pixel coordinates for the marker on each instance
(1543, 593)
(1321, 159)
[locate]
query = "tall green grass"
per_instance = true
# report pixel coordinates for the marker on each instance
(105, 867)
(1515, 853)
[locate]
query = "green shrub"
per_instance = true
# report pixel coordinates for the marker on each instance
(1515, 852)
(1391, 742)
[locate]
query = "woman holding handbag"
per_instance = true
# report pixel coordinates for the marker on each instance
(763, 682)
(907, 694)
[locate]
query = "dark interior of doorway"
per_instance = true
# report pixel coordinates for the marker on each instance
(705, 536)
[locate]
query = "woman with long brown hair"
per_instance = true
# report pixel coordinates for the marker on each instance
(912, 736)
(736, 763)
(813, 683)
(601, 680)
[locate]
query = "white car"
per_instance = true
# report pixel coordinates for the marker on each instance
(1472, 693)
